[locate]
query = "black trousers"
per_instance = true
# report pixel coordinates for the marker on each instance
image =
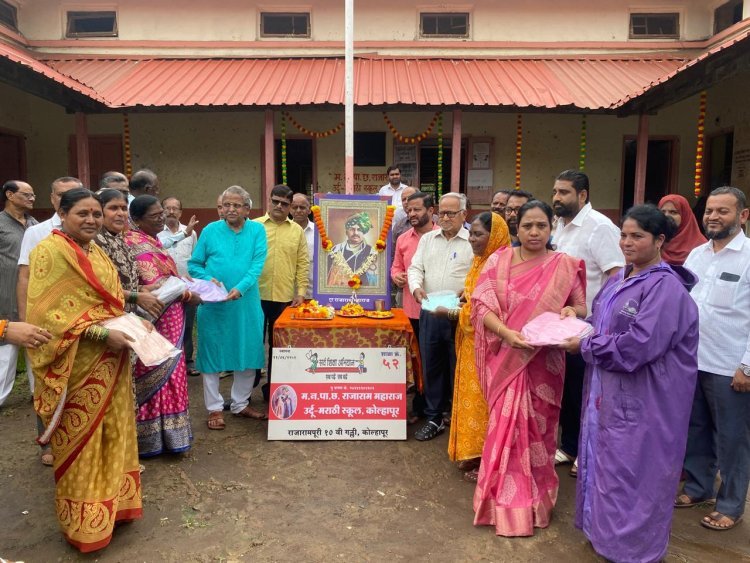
(437, 346)
(417, 402)
(572, 399)
(271, 311)
(187, 340)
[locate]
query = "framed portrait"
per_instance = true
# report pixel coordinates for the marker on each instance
(353, 223)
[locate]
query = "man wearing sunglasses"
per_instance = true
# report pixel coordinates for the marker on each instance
(284, 278)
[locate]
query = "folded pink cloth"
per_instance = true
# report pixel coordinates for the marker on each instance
(548, 329)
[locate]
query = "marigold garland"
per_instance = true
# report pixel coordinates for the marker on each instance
(439, 183)
(519, 143)
(126, 144)
(699, 145)
(283, 149)
(311, 132)
(582, 159)
(415, 139)
(325, 242)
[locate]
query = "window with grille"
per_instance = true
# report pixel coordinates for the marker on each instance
(727, 15)
(8, 15)
(91, 24)
(444, 24)
(656, 25)
(274, 24)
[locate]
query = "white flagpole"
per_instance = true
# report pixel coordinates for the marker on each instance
(349, 96)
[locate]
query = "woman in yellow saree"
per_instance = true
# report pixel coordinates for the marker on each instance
(469, 417)
(83, 389)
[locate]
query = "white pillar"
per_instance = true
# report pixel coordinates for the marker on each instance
(349, 96)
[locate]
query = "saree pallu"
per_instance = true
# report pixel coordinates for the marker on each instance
(469, 416)
(163, 420)
(517, 486)
(83, 392)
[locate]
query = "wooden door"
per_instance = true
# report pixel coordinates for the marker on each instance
(12, 156)
(105, 154)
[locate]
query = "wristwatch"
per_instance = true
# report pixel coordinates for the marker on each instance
(745, 369)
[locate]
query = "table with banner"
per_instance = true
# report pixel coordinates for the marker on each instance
(342, 375)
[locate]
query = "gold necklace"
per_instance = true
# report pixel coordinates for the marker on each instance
(520, 253)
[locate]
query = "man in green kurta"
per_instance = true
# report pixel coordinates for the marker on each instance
(230, 333)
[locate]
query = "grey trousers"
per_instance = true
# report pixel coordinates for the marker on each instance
(719, 440)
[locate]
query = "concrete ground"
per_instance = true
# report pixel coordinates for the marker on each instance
(237, 497)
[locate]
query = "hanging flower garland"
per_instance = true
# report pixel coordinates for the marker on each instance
(325, 242)
(338, 259)
(283, 149)
(126, 144)
(519, 143)
(699, 145)
(417, 138)
(582, 159)
(439, 184)
(310, 132)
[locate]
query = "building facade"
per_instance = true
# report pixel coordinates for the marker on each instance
(202, 93)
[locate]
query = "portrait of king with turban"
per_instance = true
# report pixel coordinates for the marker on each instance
(354, 256)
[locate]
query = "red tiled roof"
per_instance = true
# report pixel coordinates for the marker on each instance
(21, 57)
(594, 83)
(731, 42)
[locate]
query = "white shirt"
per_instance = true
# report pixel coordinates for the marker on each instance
(36, 234)
(440, 264)
(593, 238)
(723, 299)
(180, 250)
(395, 194)
(309, 231)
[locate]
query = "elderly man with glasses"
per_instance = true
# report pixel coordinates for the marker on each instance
(440, 263)
(17, 199)
(284, 278)
(230, 333)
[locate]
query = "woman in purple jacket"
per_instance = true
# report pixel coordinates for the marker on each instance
(640, 379)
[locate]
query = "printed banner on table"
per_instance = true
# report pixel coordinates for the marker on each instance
(338, 394)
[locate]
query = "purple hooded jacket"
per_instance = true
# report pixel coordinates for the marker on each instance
(640, 379)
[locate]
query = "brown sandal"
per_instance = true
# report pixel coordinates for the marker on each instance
(250, 412)
(711, 521)
(216, 420)
(684, 501)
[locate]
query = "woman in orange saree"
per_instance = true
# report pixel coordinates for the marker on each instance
(83, 390)
(469, 415)
(517, 484)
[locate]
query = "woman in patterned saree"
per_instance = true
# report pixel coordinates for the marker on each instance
(110, 239)
(83, 378)
(161, 391)
(517, 483)
(487, 234)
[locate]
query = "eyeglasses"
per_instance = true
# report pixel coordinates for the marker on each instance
(512, 210)
(280, 202)
(449, 214)
(173, 209)
(27, 195)
(233, 205)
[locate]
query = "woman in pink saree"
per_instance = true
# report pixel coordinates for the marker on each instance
(517, 484)
(163, 421)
